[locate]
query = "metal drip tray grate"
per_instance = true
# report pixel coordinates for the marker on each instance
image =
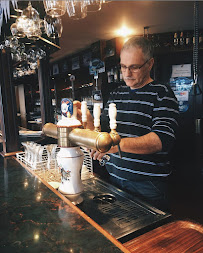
(116, 211)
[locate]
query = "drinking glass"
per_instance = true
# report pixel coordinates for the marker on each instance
(77, 9)
(55, 8)
(53, 26)
(94, 5)
(16, 32)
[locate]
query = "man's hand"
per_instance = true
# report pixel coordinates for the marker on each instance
(96, 155)
(90, 121)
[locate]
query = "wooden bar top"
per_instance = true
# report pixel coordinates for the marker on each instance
(175, 237)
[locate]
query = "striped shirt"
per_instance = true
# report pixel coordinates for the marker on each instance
(152, 108)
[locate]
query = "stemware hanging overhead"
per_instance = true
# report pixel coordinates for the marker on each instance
(20, 6)
(5, 10)
(77, 9)
(94, 5)
(53, 26)
(16, 32)
(29, 23)
(55, 8)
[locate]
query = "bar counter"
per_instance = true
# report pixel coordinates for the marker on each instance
(34, 219)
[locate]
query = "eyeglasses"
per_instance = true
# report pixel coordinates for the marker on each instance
(132, 68)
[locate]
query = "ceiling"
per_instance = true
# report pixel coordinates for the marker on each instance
(159, 16)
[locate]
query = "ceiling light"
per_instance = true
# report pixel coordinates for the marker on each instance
(124, 31)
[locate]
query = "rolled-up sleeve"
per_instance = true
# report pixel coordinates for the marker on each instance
(165, 118)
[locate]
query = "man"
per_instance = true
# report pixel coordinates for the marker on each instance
(147, 116)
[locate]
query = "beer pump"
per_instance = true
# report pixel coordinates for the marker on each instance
(71, 134)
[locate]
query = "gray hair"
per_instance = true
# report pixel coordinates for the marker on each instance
(140, 42)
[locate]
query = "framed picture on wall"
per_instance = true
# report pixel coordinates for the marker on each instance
(64, 66)
(55, 69)
(86, 59)
(75, 63)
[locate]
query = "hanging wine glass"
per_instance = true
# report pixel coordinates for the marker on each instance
(41, 53)
(31, 56)
(14, 43)
(53, 26)
(94, 5)
(31, 13)
(20, 6)
(34, 33)
(77, 9)
(16, 56)
(16, 32)
(29, 22)
(55, 8)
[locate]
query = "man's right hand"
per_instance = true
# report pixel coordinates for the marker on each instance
(96, 155)
(90, 120)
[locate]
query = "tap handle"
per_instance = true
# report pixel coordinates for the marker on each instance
(113, 125)
(97, 113)
(112, 116)
(84, 111)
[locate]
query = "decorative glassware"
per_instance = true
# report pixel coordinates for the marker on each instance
(16, 32)
(29, 23)
(77, 9)
(55, 8)
(94, 5)
(53, 27)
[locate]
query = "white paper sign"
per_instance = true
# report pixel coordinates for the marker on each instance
(181, 70)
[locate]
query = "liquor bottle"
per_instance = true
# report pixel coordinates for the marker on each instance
(201, 39)
(112, 75)
(116, 74)
(175, 39)
(187, 39)
(182, 39)
(121, 76)
(109, 76)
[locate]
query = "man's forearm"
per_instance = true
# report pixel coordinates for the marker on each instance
(146, 144)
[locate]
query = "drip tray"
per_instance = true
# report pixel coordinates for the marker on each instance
(117, 212)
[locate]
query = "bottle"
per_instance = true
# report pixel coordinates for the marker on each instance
(193, 39)
(175, 39)
(182, 39)
(115, 74)
(187, 39)
(112, 75)
(201, 39)
(109, 76)
(121, 76)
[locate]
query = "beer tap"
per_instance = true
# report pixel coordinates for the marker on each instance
(71, 135)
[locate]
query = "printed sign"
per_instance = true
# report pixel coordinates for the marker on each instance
(87, 58)
(183, 70)
(96, 65)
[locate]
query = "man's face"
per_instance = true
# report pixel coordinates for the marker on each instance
(134, 57)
